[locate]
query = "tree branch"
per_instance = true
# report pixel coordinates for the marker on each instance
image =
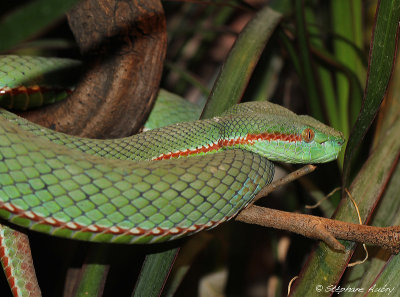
(123, 44)
(324, 229)
(327, 230)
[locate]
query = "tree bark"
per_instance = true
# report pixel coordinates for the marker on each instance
(123, 44)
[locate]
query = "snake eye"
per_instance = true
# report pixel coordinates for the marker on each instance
(307, 135)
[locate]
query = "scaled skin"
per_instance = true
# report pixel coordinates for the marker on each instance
(212, 135)
(76, 188)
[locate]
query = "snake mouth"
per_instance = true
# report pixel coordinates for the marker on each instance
(324, 143)
(337, 142)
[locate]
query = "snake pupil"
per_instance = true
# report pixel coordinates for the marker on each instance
(308, 135)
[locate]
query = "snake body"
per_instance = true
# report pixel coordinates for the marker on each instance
(152, 187)
(58, 184)
(27, 82)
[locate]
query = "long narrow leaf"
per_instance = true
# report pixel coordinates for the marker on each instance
(30, 19)
(94, 273)
(382, 57)
(154, 272)
(307, 66)
(386, 214)
(326, 266)
(239, 66)
(347, 21)
(364, 276)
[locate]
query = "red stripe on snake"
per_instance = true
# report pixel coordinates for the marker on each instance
(249, 139)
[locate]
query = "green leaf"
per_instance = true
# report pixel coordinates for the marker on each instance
(388, 280)
(347, 23)
(28, 20)
(379, 261)
(326, 266)
(241, 61)
(94, 273)
(154, 273)
(382, 57)
(386, 213)
(308, 75)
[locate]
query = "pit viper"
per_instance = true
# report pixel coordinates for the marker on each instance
(156, 186)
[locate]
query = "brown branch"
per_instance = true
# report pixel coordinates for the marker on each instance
(327, 230)
(123, 43)
(324, 229)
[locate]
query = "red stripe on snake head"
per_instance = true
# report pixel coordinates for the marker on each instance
(248, 139)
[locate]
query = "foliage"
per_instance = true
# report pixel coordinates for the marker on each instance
(315, 60)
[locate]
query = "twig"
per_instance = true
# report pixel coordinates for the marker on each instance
(290, 284)
(323, 199)
(360, 221)
(284, 180)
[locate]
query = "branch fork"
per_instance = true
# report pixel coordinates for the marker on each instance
(327, 230)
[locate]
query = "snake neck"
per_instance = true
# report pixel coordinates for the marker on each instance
(270, 136)
(182, 139)
(179, 140)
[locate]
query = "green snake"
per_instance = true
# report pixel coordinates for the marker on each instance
(152, 187)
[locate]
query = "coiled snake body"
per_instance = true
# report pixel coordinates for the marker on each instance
(156, 186)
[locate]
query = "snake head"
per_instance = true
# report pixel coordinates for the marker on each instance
(278, 134)
(301, 139)
(320, 142)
